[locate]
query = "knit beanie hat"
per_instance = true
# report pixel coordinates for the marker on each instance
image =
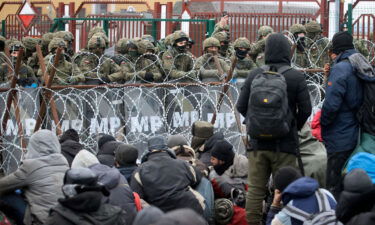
(126, 154)
(357, 181)
(223, 150)
(285, 176)
(70, 134)
(104, 139)
(342, 41)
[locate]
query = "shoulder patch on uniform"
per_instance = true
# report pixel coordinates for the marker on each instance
(329, 83)
(168, 57)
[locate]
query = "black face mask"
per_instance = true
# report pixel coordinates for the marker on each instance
(220, 169)
(241, 54)
(300, 43)
(181, 49)
(150, 57)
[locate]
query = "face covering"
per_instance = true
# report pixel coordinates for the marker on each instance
(133, 53)
(241, 54)
(300, 42)
(224, 48)
(181, 49)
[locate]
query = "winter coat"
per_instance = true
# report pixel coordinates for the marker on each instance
(301, 194)
(69, 149)
(40, 175)
(167, 182)
(234, 177)
(86, 209)
(120, 193)
(344, 96)
(278, 54)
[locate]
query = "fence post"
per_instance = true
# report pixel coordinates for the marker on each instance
(350, 18)
(3, 28)
(60, 24)
(210, 27)
(154, 29)
(106, 26)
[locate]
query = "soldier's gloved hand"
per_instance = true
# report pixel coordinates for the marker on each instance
(105, 80)
(149, 76)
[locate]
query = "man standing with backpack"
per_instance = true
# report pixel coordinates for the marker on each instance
(350, 89)
(275, 102)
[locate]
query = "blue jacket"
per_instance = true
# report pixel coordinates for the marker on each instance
(344, 96)
(301, 194)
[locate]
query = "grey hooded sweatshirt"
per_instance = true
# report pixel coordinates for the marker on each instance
(40, 175)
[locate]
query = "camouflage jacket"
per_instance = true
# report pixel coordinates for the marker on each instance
(257, 52)
(317, 50)
(33, 62)
(24, 72)
(64, 70)
(243, 67)
(137, 71)
(178, 65)
(206, 68)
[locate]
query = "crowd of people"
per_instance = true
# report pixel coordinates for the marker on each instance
(204, 180)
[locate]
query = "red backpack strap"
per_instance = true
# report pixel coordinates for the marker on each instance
(137, 201)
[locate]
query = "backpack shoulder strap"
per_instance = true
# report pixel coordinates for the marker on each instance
(296, 213)
(284, 69)
(323, 202)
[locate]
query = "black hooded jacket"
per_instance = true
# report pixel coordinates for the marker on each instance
(69, 149)
(278, 54)
(205, 155)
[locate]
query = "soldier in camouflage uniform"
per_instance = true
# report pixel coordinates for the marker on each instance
(257, 48)
(68, 37)
(206, 67)
(31, 58)
(178, 62)
(164, 44)
(244, 62)
(300, 58)
(149, 38)
(95, 67)
(64, 69)
(120, 51)
(362, 46)
(316, 44)
(99, 31)
(226, 49)
(146, 67)
(46, 39)
(26, 76)
(222, 25)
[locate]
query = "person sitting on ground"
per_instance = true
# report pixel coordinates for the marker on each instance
(298, 194)
(83, 202)
(357, 197)
(70, 145)
(229, 174)
(201, 131)
(120, 193)
(166, 182)
(126, 160)
(40, 177)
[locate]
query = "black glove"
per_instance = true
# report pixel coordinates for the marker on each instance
(105, 80)
(149, 76)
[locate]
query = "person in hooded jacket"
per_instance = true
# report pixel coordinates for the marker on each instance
(358, 196)
(83, 203)
(120, 193)
(266, 156)
(343, 99)
(167, 182)
(40, 177)
(201, 131)
(204, 153)
(70, 145)
(297, 191)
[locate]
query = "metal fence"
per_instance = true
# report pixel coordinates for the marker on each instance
(14, 28)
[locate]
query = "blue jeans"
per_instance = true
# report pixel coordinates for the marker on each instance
(205, 189)
(14, 207)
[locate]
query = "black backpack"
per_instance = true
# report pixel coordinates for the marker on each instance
(366, 113)
(268, 115)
